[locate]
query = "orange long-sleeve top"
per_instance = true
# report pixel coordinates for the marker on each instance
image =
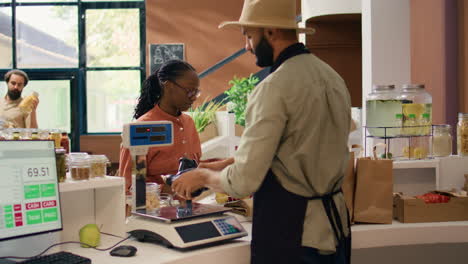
(164, 160)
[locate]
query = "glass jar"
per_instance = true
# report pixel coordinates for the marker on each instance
(98, 165)
(26, 134)
(65, 141)
(34, 134)
(60, 162)
(442, 141)
(56, 136)
(152, 196)
(382, 109)
(15, 132)
(416, 101)
(80, 168)
(43, 134)
(462, 134)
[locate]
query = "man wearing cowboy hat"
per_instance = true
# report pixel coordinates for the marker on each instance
(293, 151)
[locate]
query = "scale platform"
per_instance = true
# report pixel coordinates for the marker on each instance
(179, 228)
(178, 213)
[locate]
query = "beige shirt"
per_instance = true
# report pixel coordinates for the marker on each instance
(13, 115)
(297, 124)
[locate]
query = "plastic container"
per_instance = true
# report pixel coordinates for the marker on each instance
(416, 101)
(442, 141)
(98, 165)
(152, 196)
(60, 154)
(80, 168)
(26, 104)
(43, 134)
(462, 134)
(382, 108)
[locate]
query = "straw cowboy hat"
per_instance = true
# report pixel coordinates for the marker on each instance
(269, 14)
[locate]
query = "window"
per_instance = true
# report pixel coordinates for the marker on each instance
(85, 58)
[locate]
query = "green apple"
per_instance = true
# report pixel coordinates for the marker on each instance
(90, 235)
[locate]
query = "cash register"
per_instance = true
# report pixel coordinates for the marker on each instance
(184, 226)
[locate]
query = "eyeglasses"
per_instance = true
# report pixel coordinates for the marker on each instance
(190, 93)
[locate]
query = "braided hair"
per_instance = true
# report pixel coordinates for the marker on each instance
(152, 89)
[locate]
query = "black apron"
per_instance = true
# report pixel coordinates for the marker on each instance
(278, 220)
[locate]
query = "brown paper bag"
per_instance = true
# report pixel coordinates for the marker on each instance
(373, 199)
(348, 187)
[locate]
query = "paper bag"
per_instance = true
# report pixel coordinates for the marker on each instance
(243, 207)
(349, 184)
(373, 199)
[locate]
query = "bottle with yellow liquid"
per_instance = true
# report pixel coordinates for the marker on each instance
(27, 103)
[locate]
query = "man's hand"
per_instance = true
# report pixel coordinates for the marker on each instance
(189, 182)
(35, 103)
(195, 179)
(216, 165)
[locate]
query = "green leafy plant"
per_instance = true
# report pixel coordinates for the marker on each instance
(238, 94)
(205, 114)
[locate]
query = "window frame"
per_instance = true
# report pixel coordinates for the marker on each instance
(78, 118)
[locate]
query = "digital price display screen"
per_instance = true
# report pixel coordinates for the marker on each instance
(29, 194)
(157, 138)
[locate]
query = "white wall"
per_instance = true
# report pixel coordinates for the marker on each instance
(315, 8)
(385, 44)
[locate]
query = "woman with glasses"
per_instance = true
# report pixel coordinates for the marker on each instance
(165, 94)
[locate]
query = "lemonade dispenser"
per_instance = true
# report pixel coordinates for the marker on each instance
(417, 110)
(383, 111)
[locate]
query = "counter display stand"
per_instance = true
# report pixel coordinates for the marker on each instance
(99, 201)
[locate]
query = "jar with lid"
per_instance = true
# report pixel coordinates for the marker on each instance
(60, 162)
(65, 141)
(152, 196)
(43, 134)
(15, 134)
(462, 134)
(80, 168)
(34, 134)
(56, 136)
(98, 165)
(25, 134)
(442, 141)
(382, 111)
(416, 101)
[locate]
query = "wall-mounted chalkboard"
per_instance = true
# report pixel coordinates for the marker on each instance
(160, 53)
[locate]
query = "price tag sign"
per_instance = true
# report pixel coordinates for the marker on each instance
(36, 172)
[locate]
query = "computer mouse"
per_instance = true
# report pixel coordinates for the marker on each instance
(123, 251)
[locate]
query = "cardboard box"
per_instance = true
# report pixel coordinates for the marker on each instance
(408, 209)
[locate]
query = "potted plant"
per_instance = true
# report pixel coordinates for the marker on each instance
(204, 117)
(237, 96)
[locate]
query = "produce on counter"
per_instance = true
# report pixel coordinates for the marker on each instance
(434, 198)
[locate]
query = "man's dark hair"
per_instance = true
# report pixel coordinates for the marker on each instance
(17, 72)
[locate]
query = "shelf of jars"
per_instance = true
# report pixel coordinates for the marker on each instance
(402, 143)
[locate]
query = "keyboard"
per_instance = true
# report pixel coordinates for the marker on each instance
(61, 257)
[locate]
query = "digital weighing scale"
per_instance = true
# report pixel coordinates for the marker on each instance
(175, 226)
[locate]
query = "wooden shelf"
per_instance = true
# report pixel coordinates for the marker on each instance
(108, 181)
(415, 164)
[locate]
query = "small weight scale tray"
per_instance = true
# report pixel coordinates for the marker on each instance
(183, 228)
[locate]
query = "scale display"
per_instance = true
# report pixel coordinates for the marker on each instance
(29, 195)
(150, 134)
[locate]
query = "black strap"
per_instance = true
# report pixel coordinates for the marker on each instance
(332, 213)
